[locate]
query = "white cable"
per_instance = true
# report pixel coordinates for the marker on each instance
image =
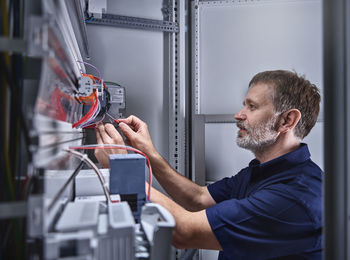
(96, 123)
(85, 158)
(92, 118)
(120, 146)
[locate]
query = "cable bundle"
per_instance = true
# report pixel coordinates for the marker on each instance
(89, 117)
(96, 111)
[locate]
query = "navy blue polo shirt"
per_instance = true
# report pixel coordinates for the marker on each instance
(270, 210)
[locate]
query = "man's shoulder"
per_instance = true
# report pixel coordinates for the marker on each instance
(307, 173)
(308, 170)
(314, 167)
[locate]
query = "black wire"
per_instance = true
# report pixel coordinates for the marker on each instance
(16, 18)
(15, 125)
(13, 134)
(2, 135)
(6, 235)
(13, 87)
(17, 76)
(16, 119)
(59, 193)
(19, 83)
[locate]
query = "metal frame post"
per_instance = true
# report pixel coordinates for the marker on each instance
(336, 79)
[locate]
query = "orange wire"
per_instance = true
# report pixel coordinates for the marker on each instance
(89, 114)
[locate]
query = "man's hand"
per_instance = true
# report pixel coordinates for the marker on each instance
(107, 134)
(136, 132)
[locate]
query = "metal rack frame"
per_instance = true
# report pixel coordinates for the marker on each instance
(336, 26)
(136, 23)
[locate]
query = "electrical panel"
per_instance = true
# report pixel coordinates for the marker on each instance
(68, 210)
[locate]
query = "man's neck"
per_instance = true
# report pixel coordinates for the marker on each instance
(282, 146)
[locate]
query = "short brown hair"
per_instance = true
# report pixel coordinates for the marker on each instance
(292, 92)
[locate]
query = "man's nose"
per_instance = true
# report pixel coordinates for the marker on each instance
(240, 115)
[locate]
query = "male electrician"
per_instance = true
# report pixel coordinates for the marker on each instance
(270, 209)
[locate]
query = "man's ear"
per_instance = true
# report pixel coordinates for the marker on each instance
(288, 120)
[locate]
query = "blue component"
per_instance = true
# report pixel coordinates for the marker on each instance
(127, 178)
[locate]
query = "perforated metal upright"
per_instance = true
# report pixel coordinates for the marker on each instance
(178, 96)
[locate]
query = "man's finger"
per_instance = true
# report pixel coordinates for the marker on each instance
(133, 121)
(106, 139)
(114, 134)
(127, 131)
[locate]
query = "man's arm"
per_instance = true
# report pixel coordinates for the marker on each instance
(192, 229)
(185, 192)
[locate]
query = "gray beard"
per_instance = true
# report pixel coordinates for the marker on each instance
(259, 137)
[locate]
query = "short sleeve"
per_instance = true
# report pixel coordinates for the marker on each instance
(271, 222)
(228, 188)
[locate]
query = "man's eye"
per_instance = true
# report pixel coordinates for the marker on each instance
(251, 106)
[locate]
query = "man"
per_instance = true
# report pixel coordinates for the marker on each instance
(271, 209)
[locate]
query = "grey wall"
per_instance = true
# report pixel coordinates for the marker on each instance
(237, 39)
(134, 59)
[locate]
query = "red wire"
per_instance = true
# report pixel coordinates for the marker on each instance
(100, 81)
(89, 114)
(122, 148)
(94, 124)
(23, 185)
(56, 104)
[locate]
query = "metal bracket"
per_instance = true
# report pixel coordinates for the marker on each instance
(167, 10)
(135, 23)
(14, 45)
(220, 119)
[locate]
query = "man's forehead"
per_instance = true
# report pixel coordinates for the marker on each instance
(260, 92)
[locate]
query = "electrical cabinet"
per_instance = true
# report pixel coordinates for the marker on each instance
(181, 66)
(79, 60)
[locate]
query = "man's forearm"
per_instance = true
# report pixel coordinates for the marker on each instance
(185, 192)
(190, 228)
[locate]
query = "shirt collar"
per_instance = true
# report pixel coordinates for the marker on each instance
(280, 164)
